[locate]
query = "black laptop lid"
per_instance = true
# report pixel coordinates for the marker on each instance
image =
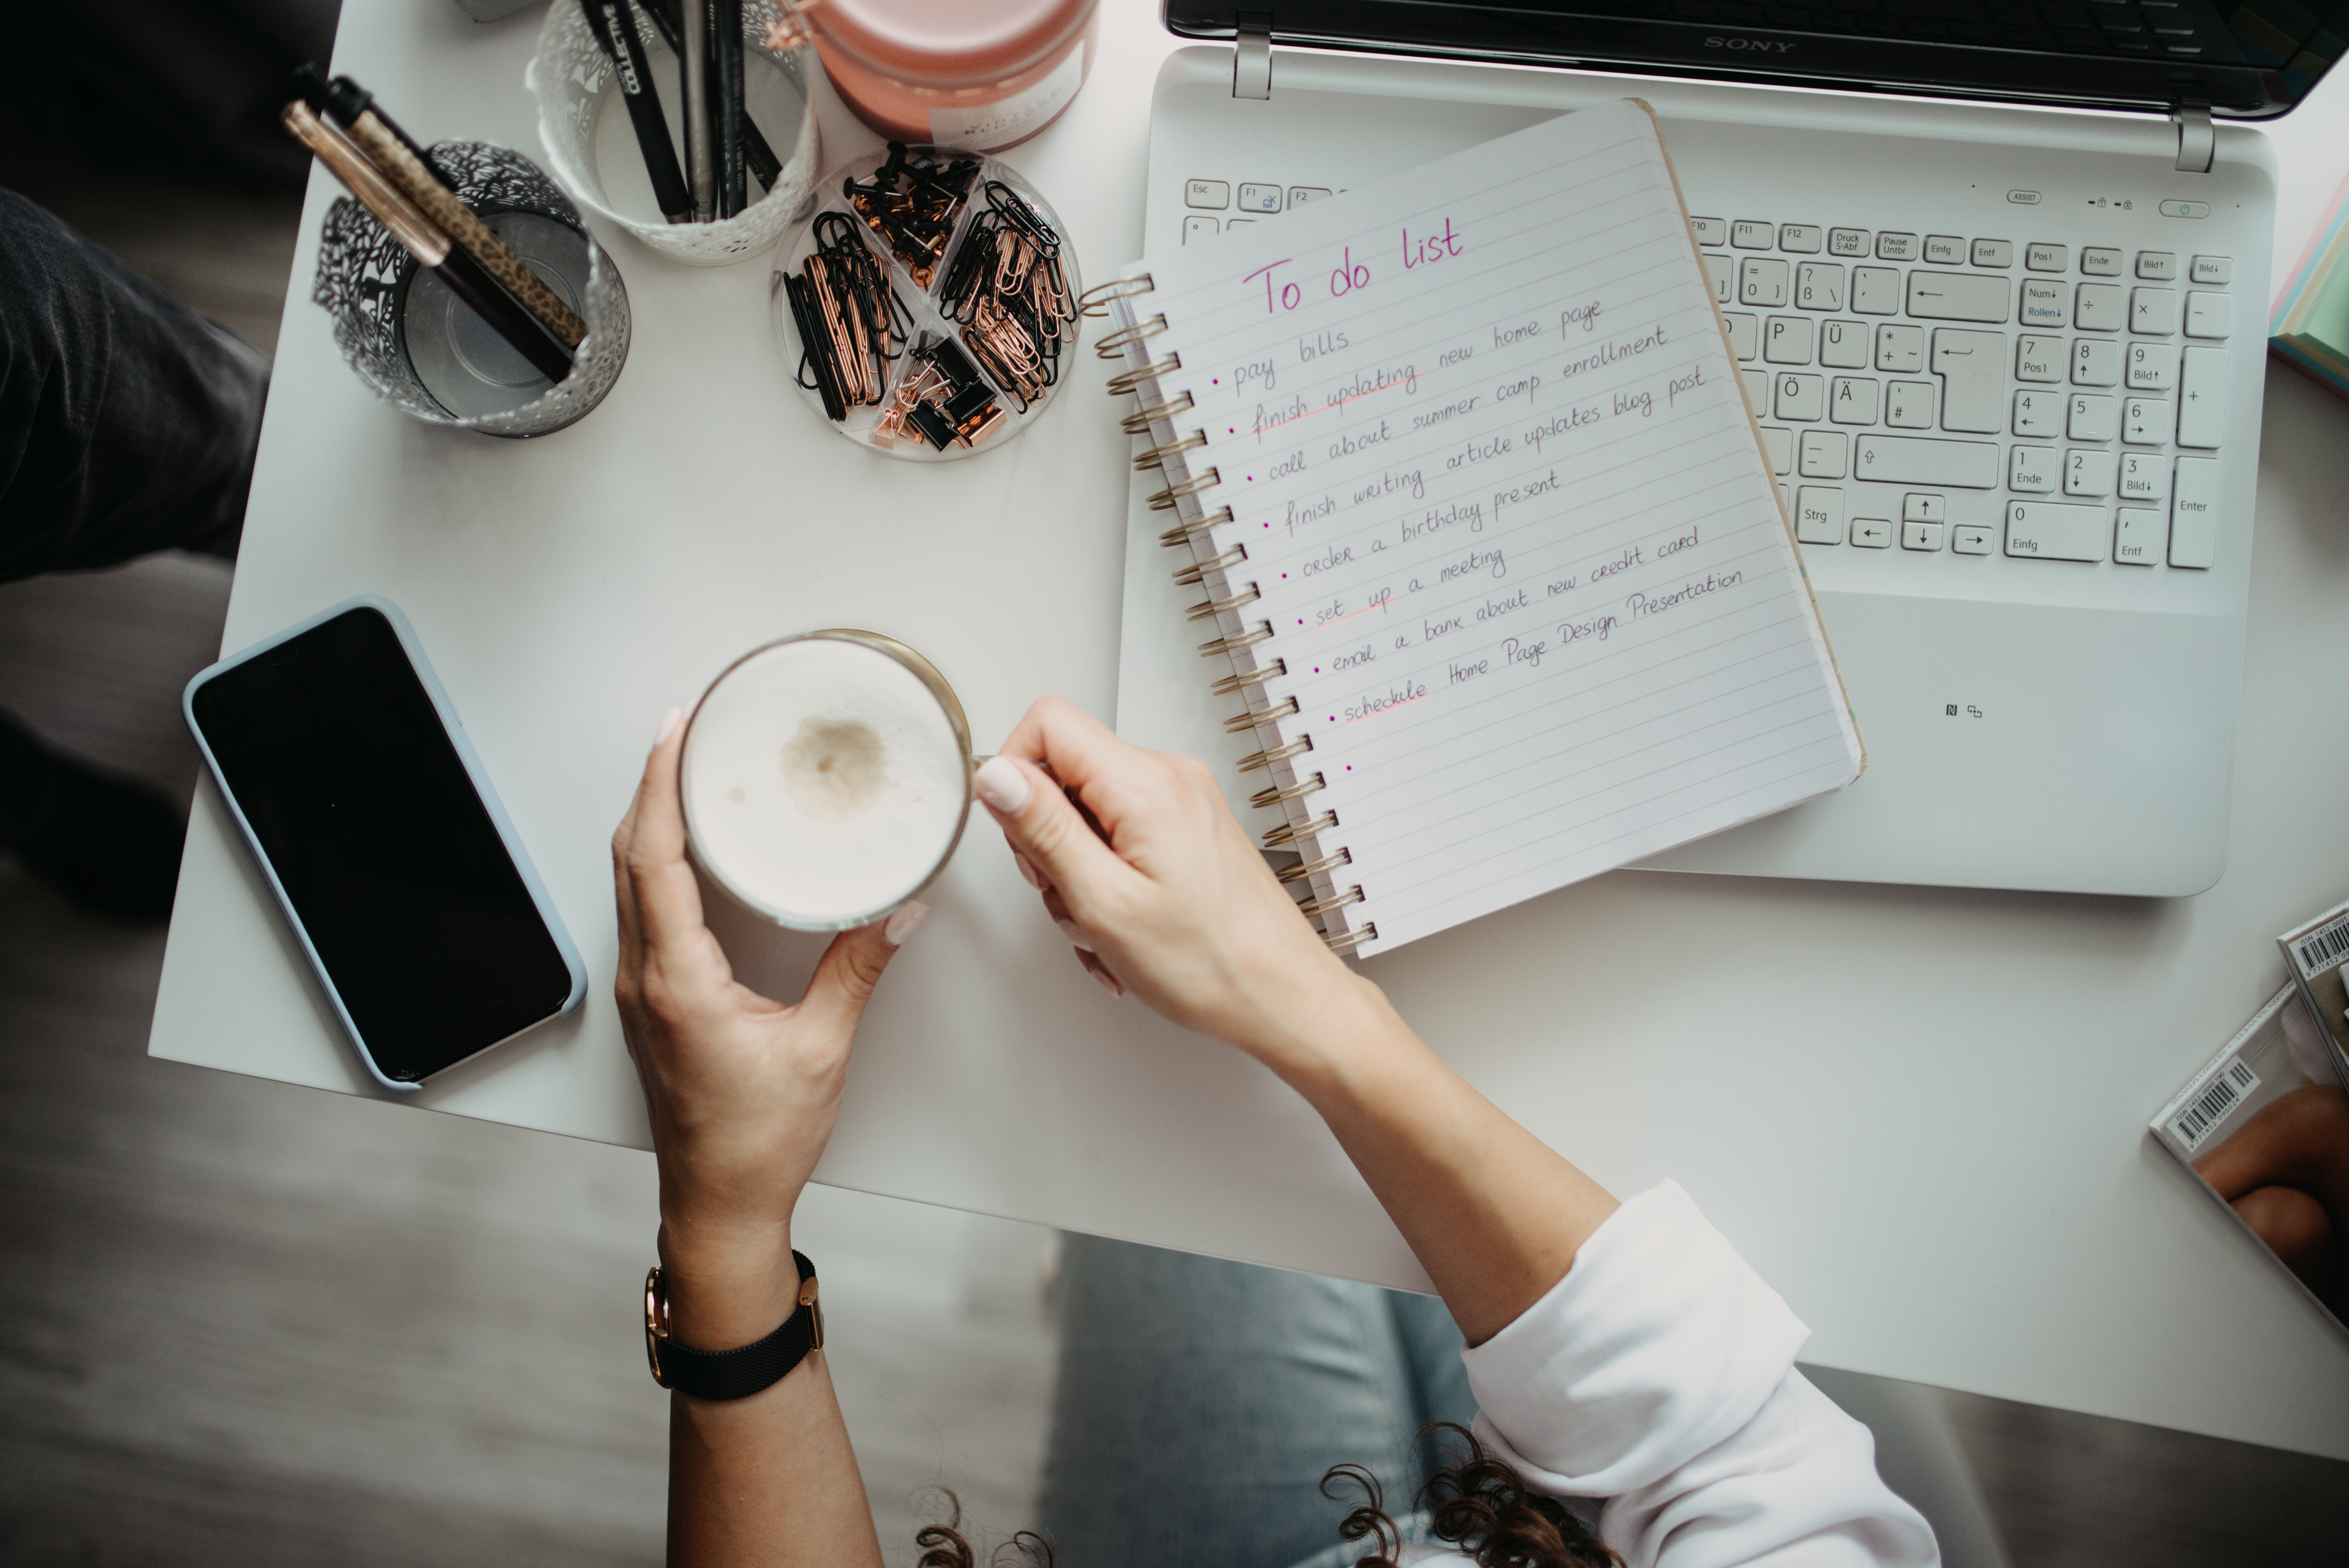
(2248, 60)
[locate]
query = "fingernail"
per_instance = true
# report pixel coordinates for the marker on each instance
(1069, 929)
(1109, 982)
(1027, 868)
(1002, 785)
(668, 723)
(904, 922)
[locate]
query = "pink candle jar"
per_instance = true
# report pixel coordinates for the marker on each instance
(977, 74)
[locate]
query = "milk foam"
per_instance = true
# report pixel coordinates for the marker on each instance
(823, 781)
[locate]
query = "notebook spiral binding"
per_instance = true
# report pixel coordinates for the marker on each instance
(1337, 910)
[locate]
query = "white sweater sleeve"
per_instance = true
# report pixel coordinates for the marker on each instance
(1659, 1376)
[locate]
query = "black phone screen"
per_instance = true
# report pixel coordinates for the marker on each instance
(332, 750)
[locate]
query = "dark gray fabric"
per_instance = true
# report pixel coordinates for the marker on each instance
(128, 423)
(1200, 1402)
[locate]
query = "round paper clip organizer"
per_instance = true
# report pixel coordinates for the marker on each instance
(929, 306)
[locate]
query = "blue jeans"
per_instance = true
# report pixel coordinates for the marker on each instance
(1200, 1402)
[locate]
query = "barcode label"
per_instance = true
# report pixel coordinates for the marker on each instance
(2216, 1101)
(2321, 950)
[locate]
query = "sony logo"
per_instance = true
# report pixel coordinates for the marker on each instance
(1760, 46)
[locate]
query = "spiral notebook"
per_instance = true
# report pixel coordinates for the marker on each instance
(1465, 489)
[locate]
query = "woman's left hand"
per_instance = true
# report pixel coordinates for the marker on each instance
(742, 1090)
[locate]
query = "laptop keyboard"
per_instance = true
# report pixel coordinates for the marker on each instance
(2079, 390)
(1903, 359)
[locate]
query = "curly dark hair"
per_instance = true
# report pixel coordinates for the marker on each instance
(946, 1546)
(1477, 1503)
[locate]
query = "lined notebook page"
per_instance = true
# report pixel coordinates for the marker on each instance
(1509, 520)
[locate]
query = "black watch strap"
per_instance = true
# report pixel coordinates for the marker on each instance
(743, 1371)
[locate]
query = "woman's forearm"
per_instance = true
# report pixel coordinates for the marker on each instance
(1165, 896)
(1494, 1214)
(767, 1481)
(770, 1480)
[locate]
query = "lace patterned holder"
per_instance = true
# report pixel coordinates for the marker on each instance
(364, 283)
(572, 78)
(928, 310)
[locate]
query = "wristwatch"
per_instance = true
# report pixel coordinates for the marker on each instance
(743, 1371)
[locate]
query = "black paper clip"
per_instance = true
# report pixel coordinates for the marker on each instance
(851, 322)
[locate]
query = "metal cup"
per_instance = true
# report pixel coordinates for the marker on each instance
(404, 335)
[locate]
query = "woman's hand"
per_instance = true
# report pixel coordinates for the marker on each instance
(1177, 906)
(742, 1090)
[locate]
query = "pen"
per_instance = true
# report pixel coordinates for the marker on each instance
(428, 244)
(614, 24)
(700, 174)
(726, 101)
(393, 152)
(757, 156)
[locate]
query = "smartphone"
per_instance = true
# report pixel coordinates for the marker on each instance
(348, 772)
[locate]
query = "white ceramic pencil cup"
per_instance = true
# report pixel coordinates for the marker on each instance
(827, 779)
(592, 149)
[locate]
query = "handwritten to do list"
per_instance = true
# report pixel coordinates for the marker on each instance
(1496, 499)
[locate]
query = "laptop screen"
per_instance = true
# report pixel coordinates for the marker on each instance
(2254, 59)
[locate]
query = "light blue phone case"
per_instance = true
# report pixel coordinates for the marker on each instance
(455, 728)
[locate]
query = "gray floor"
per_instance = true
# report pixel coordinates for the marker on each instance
(241, 1322)
(246, 1322)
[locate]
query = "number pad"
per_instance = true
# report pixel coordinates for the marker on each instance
(2153, 312)
(2087, 473)
(2031, 470)
(2039, 358)
(2152, 366)
(2145, 421)
(2094, 363)
(2144, 476)
(2094, 418)
(2098, 307)
(2038, 413)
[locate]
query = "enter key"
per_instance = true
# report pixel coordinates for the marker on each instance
(1972, 368)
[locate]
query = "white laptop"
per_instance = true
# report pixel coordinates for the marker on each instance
(1997, 275)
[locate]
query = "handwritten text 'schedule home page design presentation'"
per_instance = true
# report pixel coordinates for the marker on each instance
(1510, 523)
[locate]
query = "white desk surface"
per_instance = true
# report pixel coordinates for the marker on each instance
(1919, 1112)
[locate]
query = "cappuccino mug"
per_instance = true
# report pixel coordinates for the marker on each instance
(826, 777)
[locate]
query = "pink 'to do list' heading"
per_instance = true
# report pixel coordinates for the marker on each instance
(1281, 294)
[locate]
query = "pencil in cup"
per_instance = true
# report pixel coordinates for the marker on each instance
(726, 105)
(613, 23)
(421, 239)
(757, 156)
(389, 151)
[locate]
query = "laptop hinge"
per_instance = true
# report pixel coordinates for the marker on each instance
(2197, 143)
(1252, 54)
